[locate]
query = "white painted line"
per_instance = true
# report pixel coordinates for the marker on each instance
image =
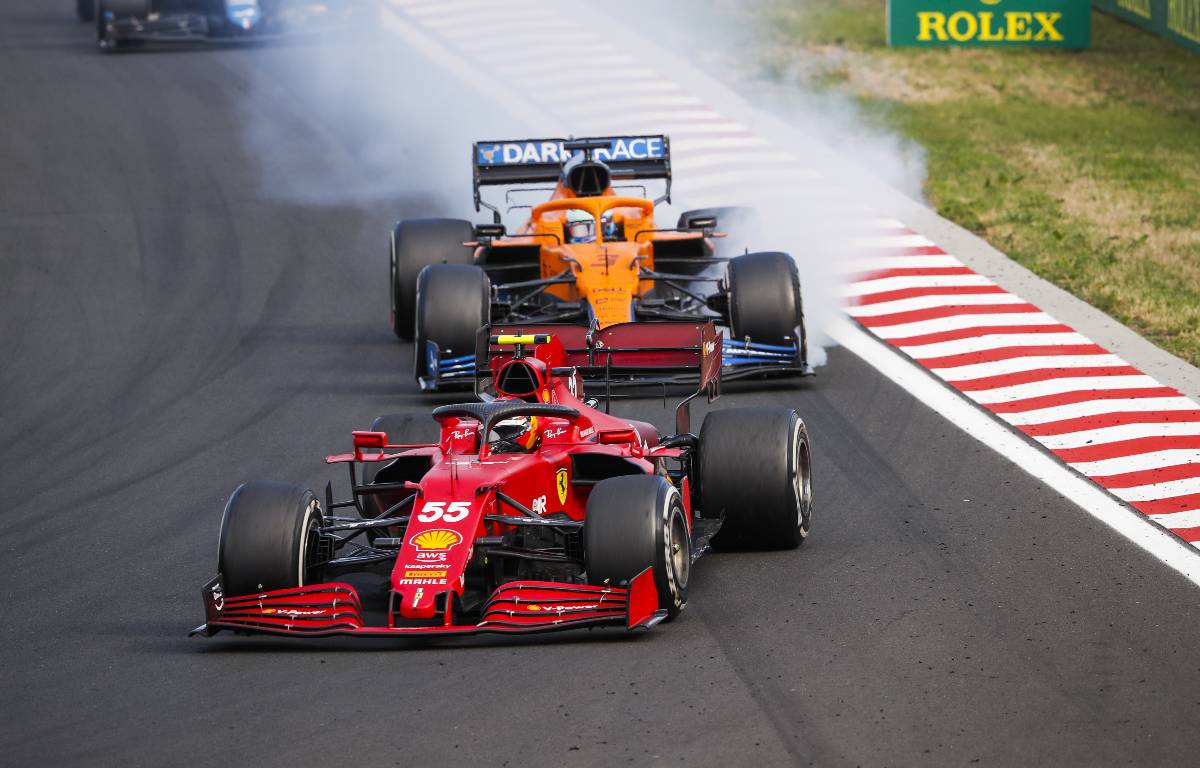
(868, 287)
(760, 179)
(703, 145)
(1105, 435)
(877, 242)
(1156, 491)
(884, 223)
(501, 28)
(524, 67)
(1138, 463)
(1186, 519)
(852, 266)
(995, 341)
(1098, 407)
(1025, 456)
(1022, 364)
(555, 78)
(600, 90)
(1058, 387)
(583, 107)
(930, 302)
(660, 117)
(687, 165)
(960, 322)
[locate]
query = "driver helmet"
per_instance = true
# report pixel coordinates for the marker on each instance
(518, 433)
(581, 226)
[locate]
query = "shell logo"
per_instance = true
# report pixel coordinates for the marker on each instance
(438, 539)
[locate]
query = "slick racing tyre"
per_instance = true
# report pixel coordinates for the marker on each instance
(86, 10)
(270, 538)
(635, 522)
(453, 302)
(764, 298)
(755, 469)
(415, 245)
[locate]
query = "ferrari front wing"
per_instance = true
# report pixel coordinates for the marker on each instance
(518, 607)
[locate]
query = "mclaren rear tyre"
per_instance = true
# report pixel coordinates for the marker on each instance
(270, 538)
(765, 303)
(637, 522)
(755, 470)
(86, 10)
(415, 245)
(453, 302)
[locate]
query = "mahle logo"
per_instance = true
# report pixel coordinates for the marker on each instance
(1053, 23)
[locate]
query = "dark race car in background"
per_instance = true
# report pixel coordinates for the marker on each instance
(533, 511)
(121, 23)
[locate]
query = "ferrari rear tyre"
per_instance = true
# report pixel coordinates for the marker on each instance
(86, 10)
(755, 470)
(453, 302)
(415, 245)
(637, 522)
(765, 304)
(269, 538)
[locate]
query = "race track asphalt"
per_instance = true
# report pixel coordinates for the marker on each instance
(169, 329)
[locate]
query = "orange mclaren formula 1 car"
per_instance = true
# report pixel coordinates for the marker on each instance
(592, 266)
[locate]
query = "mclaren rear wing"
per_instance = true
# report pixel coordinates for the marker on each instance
(540, 161)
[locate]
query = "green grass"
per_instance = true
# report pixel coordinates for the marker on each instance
(1083, 166)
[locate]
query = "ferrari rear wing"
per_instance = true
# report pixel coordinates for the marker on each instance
(540, 161)
(626, 354)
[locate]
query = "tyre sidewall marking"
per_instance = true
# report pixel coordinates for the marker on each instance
(302, 550)
(666, 527)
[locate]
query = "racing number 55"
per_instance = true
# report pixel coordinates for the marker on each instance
(438, 510)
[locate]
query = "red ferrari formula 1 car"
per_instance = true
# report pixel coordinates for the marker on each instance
(534, 511)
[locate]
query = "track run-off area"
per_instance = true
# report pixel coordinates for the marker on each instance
(173, 326)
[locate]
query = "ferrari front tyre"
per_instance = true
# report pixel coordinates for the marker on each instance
(453, 302)
(755, 471)
(765, 304)
(415, 245)
(635, 522)
(270, 538)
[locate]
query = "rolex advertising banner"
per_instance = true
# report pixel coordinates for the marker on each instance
(1040, 23)
(1177, 20)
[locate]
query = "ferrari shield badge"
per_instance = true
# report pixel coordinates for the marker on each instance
(562, 480)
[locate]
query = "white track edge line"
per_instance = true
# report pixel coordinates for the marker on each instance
(1027, 457)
